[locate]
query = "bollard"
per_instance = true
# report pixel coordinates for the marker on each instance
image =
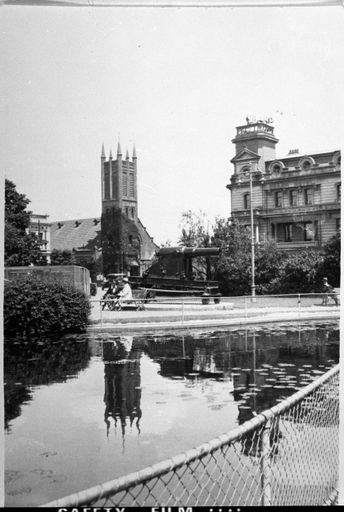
(205, 298)
(217, 298)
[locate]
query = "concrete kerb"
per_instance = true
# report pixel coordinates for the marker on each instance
(217, 318)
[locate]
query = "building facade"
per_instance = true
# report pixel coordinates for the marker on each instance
(295, 200)
(40, 226)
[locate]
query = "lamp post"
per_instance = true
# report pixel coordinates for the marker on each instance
(253, 284)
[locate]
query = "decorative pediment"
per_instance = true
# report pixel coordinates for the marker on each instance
(245, 155)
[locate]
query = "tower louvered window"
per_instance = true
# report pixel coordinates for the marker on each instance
(131, 185)
(125, 184)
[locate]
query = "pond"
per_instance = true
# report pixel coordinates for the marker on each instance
(85, 409)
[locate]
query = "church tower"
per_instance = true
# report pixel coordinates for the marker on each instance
(126, 245)
(119, 183)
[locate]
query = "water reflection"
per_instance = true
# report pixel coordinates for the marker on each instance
(122, 384)
(148, 389)
(260, 366)
(264, 364)
(36, 362)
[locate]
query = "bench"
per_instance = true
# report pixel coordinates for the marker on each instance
(138, 301)
(334, 295)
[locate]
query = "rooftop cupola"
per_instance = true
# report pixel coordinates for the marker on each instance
(256, 135)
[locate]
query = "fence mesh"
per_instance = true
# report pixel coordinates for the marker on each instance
(287, 455)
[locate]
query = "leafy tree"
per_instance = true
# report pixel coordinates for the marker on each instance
(298, 273)
(330, 266)
(62, 257)
(195, 229)
(21, 248)
(269, 261)
(233, 269)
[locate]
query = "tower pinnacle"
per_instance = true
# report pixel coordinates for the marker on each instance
(119, 151)
(103, 151)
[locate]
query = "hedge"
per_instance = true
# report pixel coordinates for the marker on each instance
(33, 306)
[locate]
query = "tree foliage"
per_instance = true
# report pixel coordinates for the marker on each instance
(62, 257)
(276, 271)
(330, 266)
(195, 229)
(21, 248)
(34, 306)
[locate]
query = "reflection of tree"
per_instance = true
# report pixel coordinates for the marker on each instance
(32, 362)
(122, 383)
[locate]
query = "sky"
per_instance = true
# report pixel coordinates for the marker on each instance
(173, 81)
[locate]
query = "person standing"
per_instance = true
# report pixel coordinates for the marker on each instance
(329, 292)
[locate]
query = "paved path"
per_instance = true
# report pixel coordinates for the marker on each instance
(231, 311)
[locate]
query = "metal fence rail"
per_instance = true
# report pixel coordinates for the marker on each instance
(287, 455)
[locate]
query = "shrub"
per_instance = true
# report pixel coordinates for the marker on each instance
(33, 306)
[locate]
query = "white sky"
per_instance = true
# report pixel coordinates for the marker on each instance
(176, 82)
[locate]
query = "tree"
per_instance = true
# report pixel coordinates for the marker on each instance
(62, 257)
(330, 266)
(233, 269)
(21, 248)
(298, 273)
(195, 229)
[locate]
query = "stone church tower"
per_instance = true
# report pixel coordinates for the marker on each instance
(126, 245)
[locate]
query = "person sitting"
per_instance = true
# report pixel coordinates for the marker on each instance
(329, 292)
(124, 294)
(110, 294)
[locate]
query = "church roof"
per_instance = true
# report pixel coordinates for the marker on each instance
(75, 234)
(85, 234)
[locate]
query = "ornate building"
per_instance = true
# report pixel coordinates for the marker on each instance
(40, 226)
(295, 199)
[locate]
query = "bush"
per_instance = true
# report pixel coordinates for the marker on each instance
(33, 306)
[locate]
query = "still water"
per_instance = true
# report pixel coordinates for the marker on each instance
(85, 409)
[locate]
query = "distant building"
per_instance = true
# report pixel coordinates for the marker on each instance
(40, 226)
(118, 235)
(81, 236)
(295, 199)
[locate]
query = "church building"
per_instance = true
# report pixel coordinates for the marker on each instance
(293, 200)
(118, 235)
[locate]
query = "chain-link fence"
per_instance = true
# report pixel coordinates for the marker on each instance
(287, 455)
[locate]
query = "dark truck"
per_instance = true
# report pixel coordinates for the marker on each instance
(180, 271)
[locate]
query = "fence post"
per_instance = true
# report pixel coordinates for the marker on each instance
(299, 303)
(265, 466)
(183, 311)
(101, 313)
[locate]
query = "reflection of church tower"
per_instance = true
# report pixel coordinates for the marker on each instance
(122, 383)
(126, 245)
